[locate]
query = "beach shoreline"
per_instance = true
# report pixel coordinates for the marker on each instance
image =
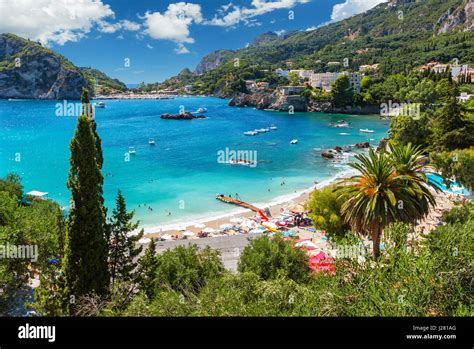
(274, 206)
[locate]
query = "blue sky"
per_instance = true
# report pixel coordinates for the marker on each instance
(150, 40)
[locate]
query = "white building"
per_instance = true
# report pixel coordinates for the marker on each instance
(325, 80)
(281, 72)
(303, 73)
(464, 97)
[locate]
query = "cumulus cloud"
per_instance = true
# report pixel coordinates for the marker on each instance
(125, 24)
(56, 21)
(59, 21)
(230, 14)
(181, 50)
(174, 23)
(352, 7)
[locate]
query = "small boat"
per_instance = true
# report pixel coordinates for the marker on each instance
(366, 130)
(100, 105)
(243, 162)
(202, 110)
(131, 150)
(151, 141)
(293, 141)
(343, 124)
(273, 127)
(263, 130)
(250, 133)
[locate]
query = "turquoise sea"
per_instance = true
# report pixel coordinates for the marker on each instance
(180, 174)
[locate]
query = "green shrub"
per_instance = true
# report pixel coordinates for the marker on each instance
(187, 269)
(274, 258)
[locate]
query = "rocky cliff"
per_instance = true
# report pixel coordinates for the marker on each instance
(31, 71)
(28, 70)
(213, 61)
(279, 102)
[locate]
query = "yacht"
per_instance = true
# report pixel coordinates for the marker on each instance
(366, 130)
(131, 150)
(250, 133)
(202, 110)
(273, 127)
(100, 105)
(293, 141)
(151, 141)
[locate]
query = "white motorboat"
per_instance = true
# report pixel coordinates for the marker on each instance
(250, 133)
(273, 127)
(293, 141)
(202, 110)
(100, 105)
(131, 150)
(151, 141)
(366, 130)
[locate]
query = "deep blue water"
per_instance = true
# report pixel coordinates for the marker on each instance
(181, 173)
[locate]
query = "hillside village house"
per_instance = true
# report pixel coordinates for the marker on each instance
(457, 71)
(304, 74)
(464, 97)
(263, 86)
(325, 80)
(291, 90)
(282, 73)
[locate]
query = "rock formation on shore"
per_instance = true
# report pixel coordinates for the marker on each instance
(280, 102)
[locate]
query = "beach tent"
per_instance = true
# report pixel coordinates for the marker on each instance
(37, 194)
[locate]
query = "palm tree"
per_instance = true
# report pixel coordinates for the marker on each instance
(384, 192)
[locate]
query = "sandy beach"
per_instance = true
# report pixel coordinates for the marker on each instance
(275, 207)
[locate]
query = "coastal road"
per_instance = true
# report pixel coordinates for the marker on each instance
(229, 247)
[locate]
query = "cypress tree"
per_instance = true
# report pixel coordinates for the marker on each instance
(123, 249)
(85, 253)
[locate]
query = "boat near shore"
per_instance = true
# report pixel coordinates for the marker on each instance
(366, 130)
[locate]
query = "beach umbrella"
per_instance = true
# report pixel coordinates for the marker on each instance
(248, 223)
(306, 244)
(294, 207)
(188, 233)
(208, 230)
(199, 225)
(144, 241)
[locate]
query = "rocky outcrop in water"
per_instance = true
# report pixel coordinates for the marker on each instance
(182, 116)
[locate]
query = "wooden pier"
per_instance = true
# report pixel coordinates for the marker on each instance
(233, 201)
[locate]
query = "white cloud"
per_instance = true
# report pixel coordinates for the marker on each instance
(352, 7)
(230, 14)
(174, 23)
(149, 46)
(280, 32)
(181, 50)
(59, 21)
(125, 24)
(56, 21)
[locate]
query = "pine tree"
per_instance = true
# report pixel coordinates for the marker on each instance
(147, 267)
(85, 252)
(123, 249)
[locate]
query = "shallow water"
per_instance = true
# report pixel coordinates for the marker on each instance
(181, 174)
